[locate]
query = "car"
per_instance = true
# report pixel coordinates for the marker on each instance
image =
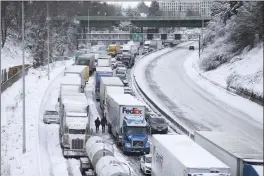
(115, 64)
(51, 116)
(120, 65)
(191, 47)
(145, 163)
(158, 125)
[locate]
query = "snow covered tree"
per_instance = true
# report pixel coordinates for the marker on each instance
(154, 9)
(142, 8)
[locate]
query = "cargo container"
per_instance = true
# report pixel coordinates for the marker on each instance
(86, 59)
(101, 72)
(108, 81)
(238, 155)
(178, 155)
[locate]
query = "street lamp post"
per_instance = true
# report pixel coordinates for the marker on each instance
(48, 40)
(0, 86)
(23, 73)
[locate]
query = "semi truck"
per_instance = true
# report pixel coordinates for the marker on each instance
(238, 155)
(74, 128)
(112, 90)
(179, 155)
(126, 121)
(104, 61)
(113, 50)
(101, 72)
(130, 49)
(146, 47)
(100, 160)
(108, 81)
(155, 45)
(86, 59)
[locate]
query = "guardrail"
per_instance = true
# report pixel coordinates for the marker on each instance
(13, 79)
(180, 126)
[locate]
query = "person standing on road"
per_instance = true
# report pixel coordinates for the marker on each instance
(103, 123)
(97, 124)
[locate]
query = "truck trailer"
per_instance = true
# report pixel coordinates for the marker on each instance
(238, 155)
(108, 81)
(82, 71)
(101, 72)
(178, 155)
(72, 81)
(100, 160)
(111, 90)
(126, 121)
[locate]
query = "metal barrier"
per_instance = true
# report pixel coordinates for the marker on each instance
(13, 79)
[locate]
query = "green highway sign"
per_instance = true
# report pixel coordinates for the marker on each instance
(137, 37)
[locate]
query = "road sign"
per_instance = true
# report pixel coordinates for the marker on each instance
(137, 37)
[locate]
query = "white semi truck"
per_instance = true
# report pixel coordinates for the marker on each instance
(108, 81)
(126, 121)
(73, 81)
(77, 71)
(104, 61)
(74, 123)
(100, 160)
(242, 159)
(178, 155)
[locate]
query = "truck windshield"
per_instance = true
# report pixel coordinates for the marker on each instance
(51, 113)
(136, 130)
(76, 131)
(82, 62)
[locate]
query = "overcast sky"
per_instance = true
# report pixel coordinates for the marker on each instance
(129, 3)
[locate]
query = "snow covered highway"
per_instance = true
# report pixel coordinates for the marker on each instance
(164, 77)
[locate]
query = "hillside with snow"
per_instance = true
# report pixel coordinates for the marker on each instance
(11, 54)
(243, 71)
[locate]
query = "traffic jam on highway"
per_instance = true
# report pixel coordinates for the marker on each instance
(134, 126)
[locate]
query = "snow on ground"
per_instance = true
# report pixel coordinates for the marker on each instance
(15, 163)
(244, 105)
(11, 55)
(247, 69)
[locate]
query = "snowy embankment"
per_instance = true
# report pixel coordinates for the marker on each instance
(209, 81)
(11, 55)
(243, 71)
(14, 162)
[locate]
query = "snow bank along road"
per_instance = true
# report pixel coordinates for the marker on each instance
(166, 81)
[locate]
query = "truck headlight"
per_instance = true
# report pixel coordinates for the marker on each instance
(128, 145)
(148, 168)
(147, 144)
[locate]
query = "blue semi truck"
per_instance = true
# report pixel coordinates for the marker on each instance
(101, 72)
(126, 121)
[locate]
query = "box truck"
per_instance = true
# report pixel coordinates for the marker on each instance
(238, 155)
(126, 121)
(108, 81)
(113, 50)
(101, 72)
(178, 155)
(81, 71)
(73, 81)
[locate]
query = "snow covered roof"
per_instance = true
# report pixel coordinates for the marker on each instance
(76, 114)
(114, 89)
(70, 89)
(126, 47)
(71, 80)
(75, 69)
(125, 99)
(187, 151)
(232, 145)
(87, 56)
(112, 81)
(82, 108)
(103, 63)
(104, 69)
(104, 56)
(74, 100)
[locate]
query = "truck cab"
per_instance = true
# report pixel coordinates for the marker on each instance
(135, 135)
(75, 134)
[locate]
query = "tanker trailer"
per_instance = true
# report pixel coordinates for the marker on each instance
(110, 166)
(95, 149)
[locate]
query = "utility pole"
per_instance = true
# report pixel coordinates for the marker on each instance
(0, 85)
(203, 10)
(23, 73)
(88, 37)
(48, 41)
